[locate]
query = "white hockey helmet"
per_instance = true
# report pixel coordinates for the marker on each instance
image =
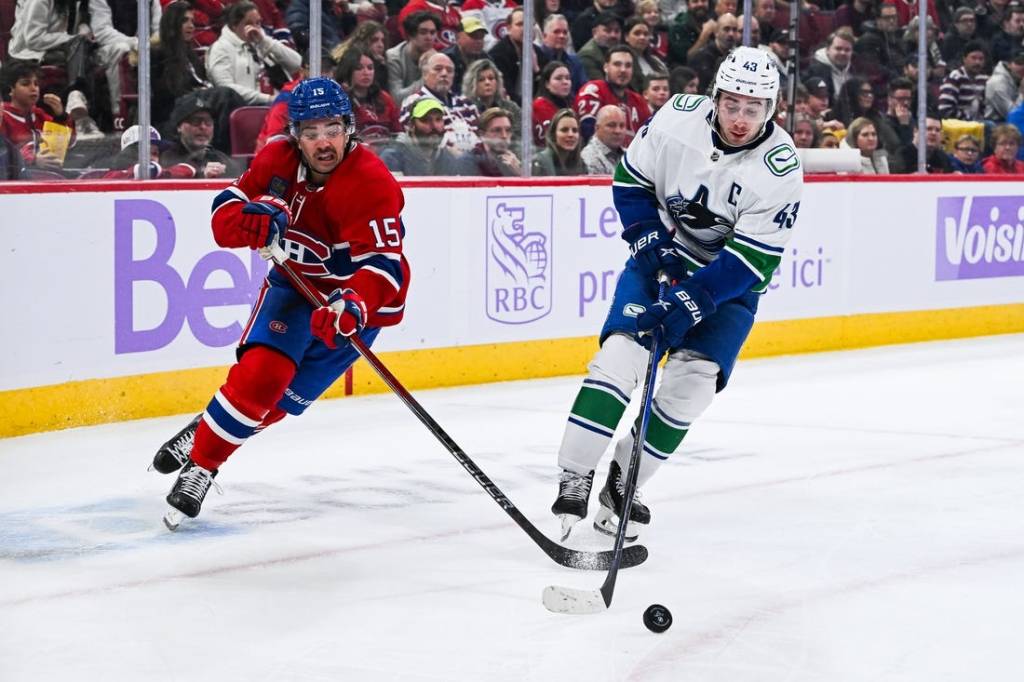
(748, 71)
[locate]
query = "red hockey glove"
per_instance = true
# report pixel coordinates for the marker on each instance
(264, 221)
(345, 314)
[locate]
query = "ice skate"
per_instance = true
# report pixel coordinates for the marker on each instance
(571, 504)
(187, 494)
(612, 498)
(174, 453)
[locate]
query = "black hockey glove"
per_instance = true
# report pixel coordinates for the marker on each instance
(684, 305)
(653, 249)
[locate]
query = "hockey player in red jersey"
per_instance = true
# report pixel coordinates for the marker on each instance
(333, 209)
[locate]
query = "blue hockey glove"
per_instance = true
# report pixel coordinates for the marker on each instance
(264, 221)
(345, 314)
(652, 247)
(684, 305)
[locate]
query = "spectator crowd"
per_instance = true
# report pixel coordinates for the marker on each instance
(436, 85)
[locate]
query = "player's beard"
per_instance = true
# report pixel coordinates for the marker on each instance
(324, 161)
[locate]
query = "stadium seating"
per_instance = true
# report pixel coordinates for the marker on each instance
(246, 123)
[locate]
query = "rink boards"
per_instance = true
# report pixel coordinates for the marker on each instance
(119, 305)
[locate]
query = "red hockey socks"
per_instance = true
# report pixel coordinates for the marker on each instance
(243, 405)
(275, 415)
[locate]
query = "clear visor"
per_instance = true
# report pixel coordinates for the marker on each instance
(751, 111)
(327, 131)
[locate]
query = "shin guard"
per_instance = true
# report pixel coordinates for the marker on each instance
(254, 385)
(687, 388)
(613, 375)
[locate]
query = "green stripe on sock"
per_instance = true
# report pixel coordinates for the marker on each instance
(598, 407)
(662, 436)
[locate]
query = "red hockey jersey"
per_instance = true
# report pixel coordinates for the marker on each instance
(451, 20)
(346, 234)
(24, 129)
(543, 111)
(596, 94)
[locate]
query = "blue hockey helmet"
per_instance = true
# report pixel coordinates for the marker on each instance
(318, 97)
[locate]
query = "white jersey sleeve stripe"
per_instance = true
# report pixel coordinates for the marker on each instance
(225, 198)
(386, 275)
(635, 173)
(390, 256)
(760, 246)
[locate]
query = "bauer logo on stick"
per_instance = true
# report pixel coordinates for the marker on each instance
(519, 258)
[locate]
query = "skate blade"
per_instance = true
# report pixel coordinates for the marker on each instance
(568, 521)
(173, 519)
(606, 522)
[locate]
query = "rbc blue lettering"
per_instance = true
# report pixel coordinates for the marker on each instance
(517, 299)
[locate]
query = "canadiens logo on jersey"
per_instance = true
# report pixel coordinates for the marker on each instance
(500, 29)
(308, 254)
(701, 223)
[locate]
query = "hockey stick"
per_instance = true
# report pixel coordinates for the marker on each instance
(562, 555)
(576, 601)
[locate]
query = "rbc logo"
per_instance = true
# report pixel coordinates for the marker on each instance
(519, 258)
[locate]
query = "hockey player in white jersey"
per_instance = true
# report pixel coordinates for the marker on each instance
(708, 193)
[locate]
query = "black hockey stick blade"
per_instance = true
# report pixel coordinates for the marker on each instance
(571, 558)
(574, 558)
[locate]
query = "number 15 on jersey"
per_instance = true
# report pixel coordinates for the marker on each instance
(390, 236)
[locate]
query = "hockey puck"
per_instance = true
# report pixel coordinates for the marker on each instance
(657, 618)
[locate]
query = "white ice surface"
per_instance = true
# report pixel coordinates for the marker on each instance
(837, 517)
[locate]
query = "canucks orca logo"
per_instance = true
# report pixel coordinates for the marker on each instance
(696, 219)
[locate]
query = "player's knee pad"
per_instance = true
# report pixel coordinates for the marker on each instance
(621, 362)
(687, 386)
(258, 380)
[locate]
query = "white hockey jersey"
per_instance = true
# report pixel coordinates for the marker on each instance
(743, 200)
